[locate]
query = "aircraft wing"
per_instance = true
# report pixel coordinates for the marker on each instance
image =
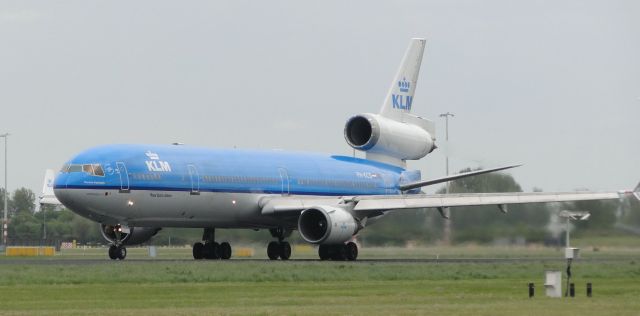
(374, 204)
(394, 202)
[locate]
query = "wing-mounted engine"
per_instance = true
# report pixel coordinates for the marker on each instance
(128, 236)
(327, 225)
(388, 140)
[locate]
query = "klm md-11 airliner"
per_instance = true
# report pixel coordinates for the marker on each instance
(135, 190)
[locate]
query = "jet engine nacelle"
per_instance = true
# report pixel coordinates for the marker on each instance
(380, 135)
(130, 236)
(326, 225)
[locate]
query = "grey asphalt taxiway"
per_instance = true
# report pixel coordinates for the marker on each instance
(93, 261)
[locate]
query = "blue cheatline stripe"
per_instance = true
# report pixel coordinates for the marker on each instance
(279, 192)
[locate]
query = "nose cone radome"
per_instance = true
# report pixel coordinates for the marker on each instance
(60, 181)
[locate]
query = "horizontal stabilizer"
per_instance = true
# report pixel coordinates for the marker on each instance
(425, 183)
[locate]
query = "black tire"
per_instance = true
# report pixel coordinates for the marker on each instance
(224, 251)
(351, 251)
(121, 252)
(211, 250)
(273, 250)
(112, 252)
(285, 250)
(323, 252)
(339, 252)
(198, 251)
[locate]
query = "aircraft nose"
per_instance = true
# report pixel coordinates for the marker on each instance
(60, 181)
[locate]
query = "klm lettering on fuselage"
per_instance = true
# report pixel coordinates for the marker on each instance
(402, 102)
(155, 164)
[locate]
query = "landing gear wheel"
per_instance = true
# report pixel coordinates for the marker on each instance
(121, 252)
(211, 250)
(224, 250)
(339, 252)
(323, 252)
(112, 252)
(198, 249)
(351, 251)
(273, 250)
(285, 250)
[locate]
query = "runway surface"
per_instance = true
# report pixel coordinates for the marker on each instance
(74, 261)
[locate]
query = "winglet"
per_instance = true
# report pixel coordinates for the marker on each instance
(636, 191)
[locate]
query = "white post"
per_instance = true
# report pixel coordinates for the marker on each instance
(6, 191)
(567, 234)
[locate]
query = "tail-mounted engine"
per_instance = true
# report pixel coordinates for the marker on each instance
(128, 236)
(385, 137)
(327, 225)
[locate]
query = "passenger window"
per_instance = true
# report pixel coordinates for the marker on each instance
(97, 170)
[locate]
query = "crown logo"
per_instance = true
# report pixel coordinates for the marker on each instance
(152, 155)
(404, 85)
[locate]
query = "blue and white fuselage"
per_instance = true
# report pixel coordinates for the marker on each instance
(185, 186)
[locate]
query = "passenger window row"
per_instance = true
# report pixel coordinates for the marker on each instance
(146, 176)
(337, 183)
(309, 182)
(241, 179)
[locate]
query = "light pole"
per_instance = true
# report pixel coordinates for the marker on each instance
(6, 192)
(447, 223)
(571, 253)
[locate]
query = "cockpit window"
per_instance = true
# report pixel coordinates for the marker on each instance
(92, 169)
(87, 168)
(75, 168)
(97, 170)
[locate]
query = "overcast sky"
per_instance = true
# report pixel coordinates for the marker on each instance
(551, 84)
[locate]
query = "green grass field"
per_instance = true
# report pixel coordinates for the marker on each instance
(242, 287)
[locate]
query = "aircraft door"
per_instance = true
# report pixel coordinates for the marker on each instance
(284, 177)
(124, 177)
(195, 179)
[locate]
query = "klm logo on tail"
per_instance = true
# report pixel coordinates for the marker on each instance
(402, 102)
(404, 85)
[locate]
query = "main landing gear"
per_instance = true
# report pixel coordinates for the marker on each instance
(341, 252)
(279, 249)
(210, 249)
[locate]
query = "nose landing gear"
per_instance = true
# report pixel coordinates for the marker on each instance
(117, 235)
(117, 252)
